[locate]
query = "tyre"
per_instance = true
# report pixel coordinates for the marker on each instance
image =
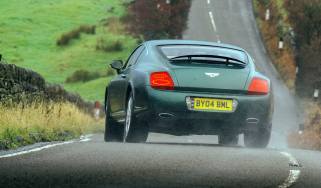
(113, 132)
(228, 139)
(134, 131)
(257, 139)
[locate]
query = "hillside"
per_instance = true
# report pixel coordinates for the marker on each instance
(32, 28)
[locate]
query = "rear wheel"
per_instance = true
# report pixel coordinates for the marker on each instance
(257, 139)
(134, 130)
(112, 128)
(229, 139)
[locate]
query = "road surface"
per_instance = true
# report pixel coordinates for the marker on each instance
(190, 161)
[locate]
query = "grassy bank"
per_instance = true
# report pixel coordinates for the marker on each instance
(43, 122)
(310, 137)
(283, 16)
(272, 30)
(30, 30)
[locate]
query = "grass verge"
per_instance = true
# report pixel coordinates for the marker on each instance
(43, 122)
(272, 31)
(310, 138)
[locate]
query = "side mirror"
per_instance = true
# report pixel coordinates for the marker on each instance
(117, 65)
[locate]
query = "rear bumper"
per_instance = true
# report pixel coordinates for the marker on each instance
(168, 109)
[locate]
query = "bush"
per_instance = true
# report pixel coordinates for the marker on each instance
(82, 76)
(65, 38)
(88, 29)
(114, 46)
(164, 20)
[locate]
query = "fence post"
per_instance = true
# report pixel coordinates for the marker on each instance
(281, 43)
(301, 128)
(267, 14)
(316, 94)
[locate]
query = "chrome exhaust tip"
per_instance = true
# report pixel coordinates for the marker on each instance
(252, 120)
(165, 115)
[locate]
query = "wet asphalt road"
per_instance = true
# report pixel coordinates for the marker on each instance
(189, 161)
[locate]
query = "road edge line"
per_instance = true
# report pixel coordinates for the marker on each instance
(210, 13)
(294, 174)
(83, 138)
(292, 178)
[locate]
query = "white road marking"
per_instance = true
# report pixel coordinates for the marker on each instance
(214, 26)
(208, 1)
(293, 174)
(35, 149)
(292, 178)
(85, 138)
(292, 160)
(212, 20)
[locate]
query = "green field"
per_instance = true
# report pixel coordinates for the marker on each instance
(29, 30)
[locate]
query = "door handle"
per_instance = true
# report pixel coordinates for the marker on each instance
(123, 75)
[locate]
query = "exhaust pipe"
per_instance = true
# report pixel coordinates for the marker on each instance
(252, 121)
(166, 115)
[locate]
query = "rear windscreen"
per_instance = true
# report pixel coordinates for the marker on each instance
(172, 51)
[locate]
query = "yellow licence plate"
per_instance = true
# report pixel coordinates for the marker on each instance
(213, 104)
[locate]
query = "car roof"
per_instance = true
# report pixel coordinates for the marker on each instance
(154, 43)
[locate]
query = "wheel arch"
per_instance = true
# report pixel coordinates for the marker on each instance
(136, 86)
(130, 89)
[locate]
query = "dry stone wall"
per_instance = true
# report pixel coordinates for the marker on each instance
(16, 82)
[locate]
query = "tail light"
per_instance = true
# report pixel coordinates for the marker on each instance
(161, 80)
(259, 86)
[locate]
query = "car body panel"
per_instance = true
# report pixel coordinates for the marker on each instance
(212, 77)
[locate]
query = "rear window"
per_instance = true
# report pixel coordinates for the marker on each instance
(171, 51)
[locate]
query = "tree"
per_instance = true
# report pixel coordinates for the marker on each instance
(158, 19)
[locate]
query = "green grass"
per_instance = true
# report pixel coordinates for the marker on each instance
(29, 30)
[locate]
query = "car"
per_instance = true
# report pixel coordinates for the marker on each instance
(183, 87)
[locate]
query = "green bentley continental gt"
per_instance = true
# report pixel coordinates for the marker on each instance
(182, 87)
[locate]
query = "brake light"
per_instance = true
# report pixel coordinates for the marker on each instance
(259, 86)
(161, 80)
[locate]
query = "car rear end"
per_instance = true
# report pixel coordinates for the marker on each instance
(200, 97)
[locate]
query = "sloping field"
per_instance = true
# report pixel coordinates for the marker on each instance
(30, 29)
